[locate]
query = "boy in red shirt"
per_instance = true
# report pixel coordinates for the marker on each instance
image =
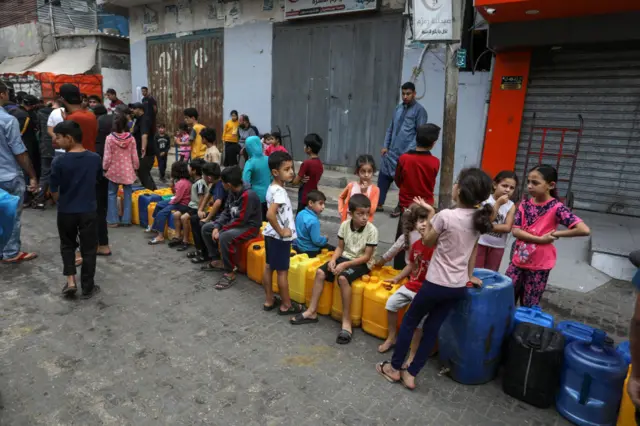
(416, 175)
(311, 170)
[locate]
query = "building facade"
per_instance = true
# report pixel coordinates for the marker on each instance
(567, 72)
(337, 75)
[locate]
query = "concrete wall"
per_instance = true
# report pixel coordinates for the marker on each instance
(247, 66)
(120, 80)
(138, 68)
(24, 40)
(472, 103)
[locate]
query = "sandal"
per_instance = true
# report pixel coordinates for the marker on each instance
(175, 242)
(344, 337)
(209, 267)
(295, 308)
(276, 303)
(69, 291)
(21, 257)
(301, 319)
(183, 247)
(380, 370)
(225, 282)
(199, 259)
(193, 255)
(155, 242)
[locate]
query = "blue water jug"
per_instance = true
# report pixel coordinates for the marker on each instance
(593, 376)
(624, 349)
(573, 330)
(533, 315)
(471, 338)
(143, 204)
(8, 209)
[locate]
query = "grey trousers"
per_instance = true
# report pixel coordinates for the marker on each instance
(230, 242)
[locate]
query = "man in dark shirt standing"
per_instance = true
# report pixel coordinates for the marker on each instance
(150, 104)
(145, 142)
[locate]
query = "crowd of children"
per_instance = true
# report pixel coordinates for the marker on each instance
(223, 208)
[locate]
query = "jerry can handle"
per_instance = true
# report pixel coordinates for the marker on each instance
(584, 389)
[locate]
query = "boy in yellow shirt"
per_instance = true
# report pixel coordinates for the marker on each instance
(198, 148)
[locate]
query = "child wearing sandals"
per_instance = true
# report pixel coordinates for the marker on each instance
(415, 219)
(239, 222)
(454, 233)
(278, 235)
(353, 258)
(182, 221)
(179, 202)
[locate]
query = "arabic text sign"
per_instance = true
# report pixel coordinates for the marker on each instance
(432, 20)
(309, 8)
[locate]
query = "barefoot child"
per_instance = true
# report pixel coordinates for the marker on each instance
(278, 235)
(491, 245)
(535, 230)
(365, 168)
(353, 258)
(455, 234)
(73, 187)
(416, 218)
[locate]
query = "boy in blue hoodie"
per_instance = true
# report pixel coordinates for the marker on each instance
(256, 171)
(310, 241)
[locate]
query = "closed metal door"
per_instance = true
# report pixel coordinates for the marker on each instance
(187, 72)
(603, 85)
(339, 79)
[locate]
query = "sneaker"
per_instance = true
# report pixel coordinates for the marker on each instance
(95, 290)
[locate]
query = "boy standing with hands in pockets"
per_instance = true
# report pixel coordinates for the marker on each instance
(278, 235)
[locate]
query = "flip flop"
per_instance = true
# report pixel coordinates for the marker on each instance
(276, 303)
(210, 268)
(295, 308)
(21, 257)
(69, 291)
(300, 319)
(183, 247)
(225, 282)
(175, 242)
(344, 337)
(155, 242)
(380, 370)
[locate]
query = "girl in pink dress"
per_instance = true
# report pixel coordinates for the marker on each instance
(535, 229)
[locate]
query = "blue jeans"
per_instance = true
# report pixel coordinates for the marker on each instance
(384, 183)
(432, 299)
(162, 212)
(15, 187)
(112, 208)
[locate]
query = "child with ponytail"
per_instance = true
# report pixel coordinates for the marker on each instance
(534, 227)
(454, 233)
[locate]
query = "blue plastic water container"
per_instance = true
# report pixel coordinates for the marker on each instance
(573, 330)
(471, 338)
(533, 315)
(8, 209)
(624, 349)
(143, 204)
(592, 382)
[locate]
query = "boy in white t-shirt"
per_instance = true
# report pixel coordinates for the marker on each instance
(278, 235)
(491, 245)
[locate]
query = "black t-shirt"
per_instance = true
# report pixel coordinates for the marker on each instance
(142, 125)
(74, 176)
(162, 142)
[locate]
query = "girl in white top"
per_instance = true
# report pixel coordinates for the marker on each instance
(454, 233)
(491, 245)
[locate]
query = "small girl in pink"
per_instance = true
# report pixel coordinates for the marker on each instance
(536, 221)
(454, 233)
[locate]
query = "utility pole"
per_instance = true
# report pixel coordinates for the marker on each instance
(450, 108)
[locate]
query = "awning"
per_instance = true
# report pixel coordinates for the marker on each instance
(68, 61)
(18, 64)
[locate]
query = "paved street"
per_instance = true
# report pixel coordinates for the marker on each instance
(160, 346)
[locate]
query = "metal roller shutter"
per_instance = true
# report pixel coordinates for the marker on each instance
(603, 85)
